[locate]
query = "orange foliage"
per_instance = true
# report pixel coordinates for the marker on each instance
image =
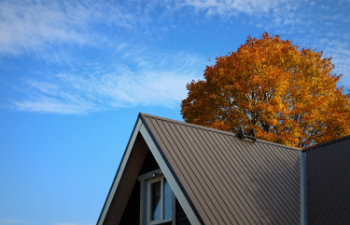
(288, 95)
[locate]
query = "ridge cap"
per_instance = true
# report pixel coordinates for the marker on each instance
(183, 123)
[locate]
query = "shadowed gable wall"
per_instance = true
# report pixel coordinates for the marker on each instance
(144, 162)
(328, 183)
(127, 182)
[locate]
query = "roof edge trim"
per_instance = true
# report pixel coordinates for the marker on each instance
(303, 189)
(215, 130)
(168, 171)
(345, 138)
(120, 171)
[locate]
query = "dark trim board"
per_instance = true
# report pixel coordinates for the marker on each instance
(325, 144)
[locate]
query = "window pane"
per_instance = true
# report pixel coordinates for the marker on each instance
(155, 201)
(168, 201)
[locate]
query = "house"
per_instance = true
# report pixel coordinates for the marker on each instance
(179, 173)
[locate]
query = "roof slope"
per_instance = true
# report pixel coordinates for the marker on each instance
(229, 180)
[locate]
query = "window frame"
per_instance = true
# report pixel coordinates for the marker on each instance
(146, 180)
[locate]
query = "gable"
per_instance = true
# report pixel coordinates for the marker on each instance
(131, 214)
(140, 146)
(121, 196)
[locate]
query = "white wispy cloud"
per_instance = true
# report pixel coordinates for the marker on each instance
(28, 25)
(52, 105)
(320, 26)
(159, 79)
(232, 7)
(140, 75)
(340, 53)
(281, 15)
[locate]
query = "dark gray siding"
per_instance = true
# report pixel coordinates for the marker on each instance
(328, 183)
(127, 182)
(181, 218)
(229, 180)
(131, 215)
(149, 164)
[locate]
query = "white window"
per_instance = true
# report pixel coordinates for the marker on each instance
(156, 199)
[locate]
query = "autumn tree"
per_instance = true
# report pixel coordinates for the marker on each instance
(289, 95)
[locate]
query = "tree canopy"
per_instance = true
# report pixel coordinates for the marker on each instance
(289, 95)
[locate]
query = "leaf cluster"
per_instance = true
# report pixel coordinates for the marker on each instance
(290, 96)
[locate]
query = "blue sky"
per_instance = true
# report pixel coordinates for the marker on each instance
(74, 75)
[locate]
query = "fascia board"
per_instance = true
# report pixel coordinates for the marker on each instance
(120, 172)
(169, 176)
(303, 189)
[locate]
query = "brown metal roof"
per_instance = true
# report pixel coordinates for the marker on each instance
(229, 180)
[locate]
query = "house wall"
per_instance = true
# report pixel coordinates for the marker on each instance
(181, 218)
(132, 211)
(328, 184)
(131, 214)
(149, 164)
(127, 182)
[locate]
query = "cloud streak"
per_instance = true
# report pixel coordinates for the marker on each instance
(29, 25)
(340, 53)
(317, 25)
(156, 81)
(232, 7)
(133, 74)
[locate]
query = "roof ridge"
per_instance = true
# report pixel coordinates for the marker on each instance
(214, 130)
(326, 143)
